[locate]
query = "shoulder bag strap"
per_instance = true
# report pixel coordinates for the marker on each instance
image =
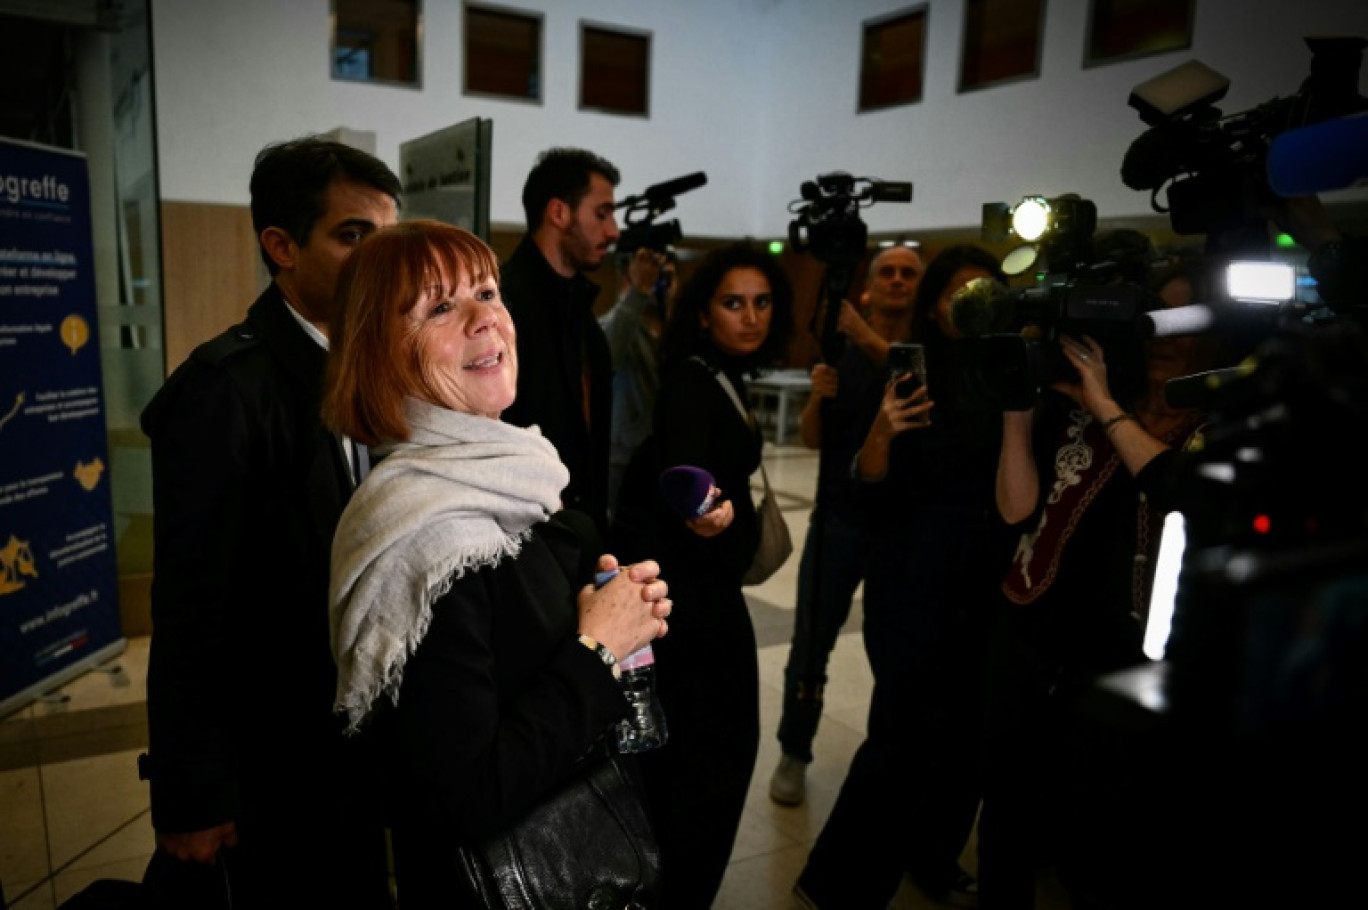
(745, 414)
(728, 388)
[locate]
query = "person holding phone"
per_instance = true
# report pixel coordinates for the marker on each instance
(845, 396)
(907, 370)
(935, 551)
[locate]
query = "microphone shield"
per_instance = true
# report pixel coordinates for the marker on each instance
(687, 490)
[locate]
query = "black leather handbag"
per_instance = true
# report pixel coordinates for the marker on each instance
(589, 846)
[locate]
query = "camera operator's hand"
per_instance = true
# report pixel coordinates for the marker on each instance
(1128, 431)
(853, 326)
(825, 382)
(644, 269)
(1091, 390)
(895, 416)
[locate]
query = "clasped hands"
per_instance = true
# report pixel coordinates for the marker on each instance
(630, 610)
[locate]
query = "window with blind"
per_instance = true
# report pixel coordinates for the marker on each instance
(1002, 40)
(615, 70)
(376, 41)
(892, 59)
(503, 53)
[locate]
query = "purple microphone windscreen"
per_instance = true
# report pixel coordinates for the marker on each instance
(687, 490)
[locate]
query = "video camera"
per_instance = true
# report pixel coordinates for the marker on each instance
(643, 210)
(1009, 351)
(1265, 661)
(1216, 167)
(828, 225)
(828, 216)
(1252, 720)
(1009, 370)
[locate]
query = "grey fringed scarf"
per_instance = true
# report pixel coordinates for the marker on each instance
(461, 494)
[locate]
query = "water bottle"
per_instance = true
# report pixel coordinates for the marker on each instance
(645, 729)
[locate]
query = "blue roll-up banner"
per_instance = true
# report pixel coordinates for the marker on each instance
(59, 608)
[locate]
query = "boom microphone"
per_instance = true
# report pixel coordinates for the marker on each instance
(1330, 155)
(667, 190)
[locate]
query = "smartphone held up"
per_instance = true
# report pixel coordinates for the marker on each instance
(907, 367)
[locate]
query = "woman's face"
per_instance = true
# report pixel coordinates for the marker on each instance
(738, 315)
(957, 281)
(466, 347)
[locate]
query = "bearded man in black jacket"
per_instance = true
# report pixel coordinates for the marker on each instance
(565, 369)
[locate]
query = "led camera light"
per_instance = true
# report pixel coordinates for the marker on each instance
(1031, 218)
(1268, 282)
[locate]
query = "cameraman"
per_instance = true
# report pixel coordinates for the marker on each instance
(1085, 478)
(632, 327)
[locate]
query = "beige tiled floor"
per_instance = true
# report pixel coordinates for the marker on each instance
(773, 842)
(82, 813)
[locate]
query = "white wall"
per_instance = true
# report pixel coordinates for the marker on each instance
(232, 77)
(760, 94)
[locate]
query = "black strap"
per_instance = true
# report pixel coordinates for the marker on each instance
(362, 460)
(357, 458)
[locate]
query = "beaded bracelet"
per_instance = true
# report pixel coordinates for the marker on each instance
(1111, 422)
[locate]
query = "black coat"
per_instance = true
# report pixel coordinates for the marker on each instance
(498, 704)
(557, 335)
(707, 668)
(247, 488)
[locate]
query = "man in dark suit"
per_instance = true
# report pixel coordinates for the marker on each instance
(565, 371)
(249, 769)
